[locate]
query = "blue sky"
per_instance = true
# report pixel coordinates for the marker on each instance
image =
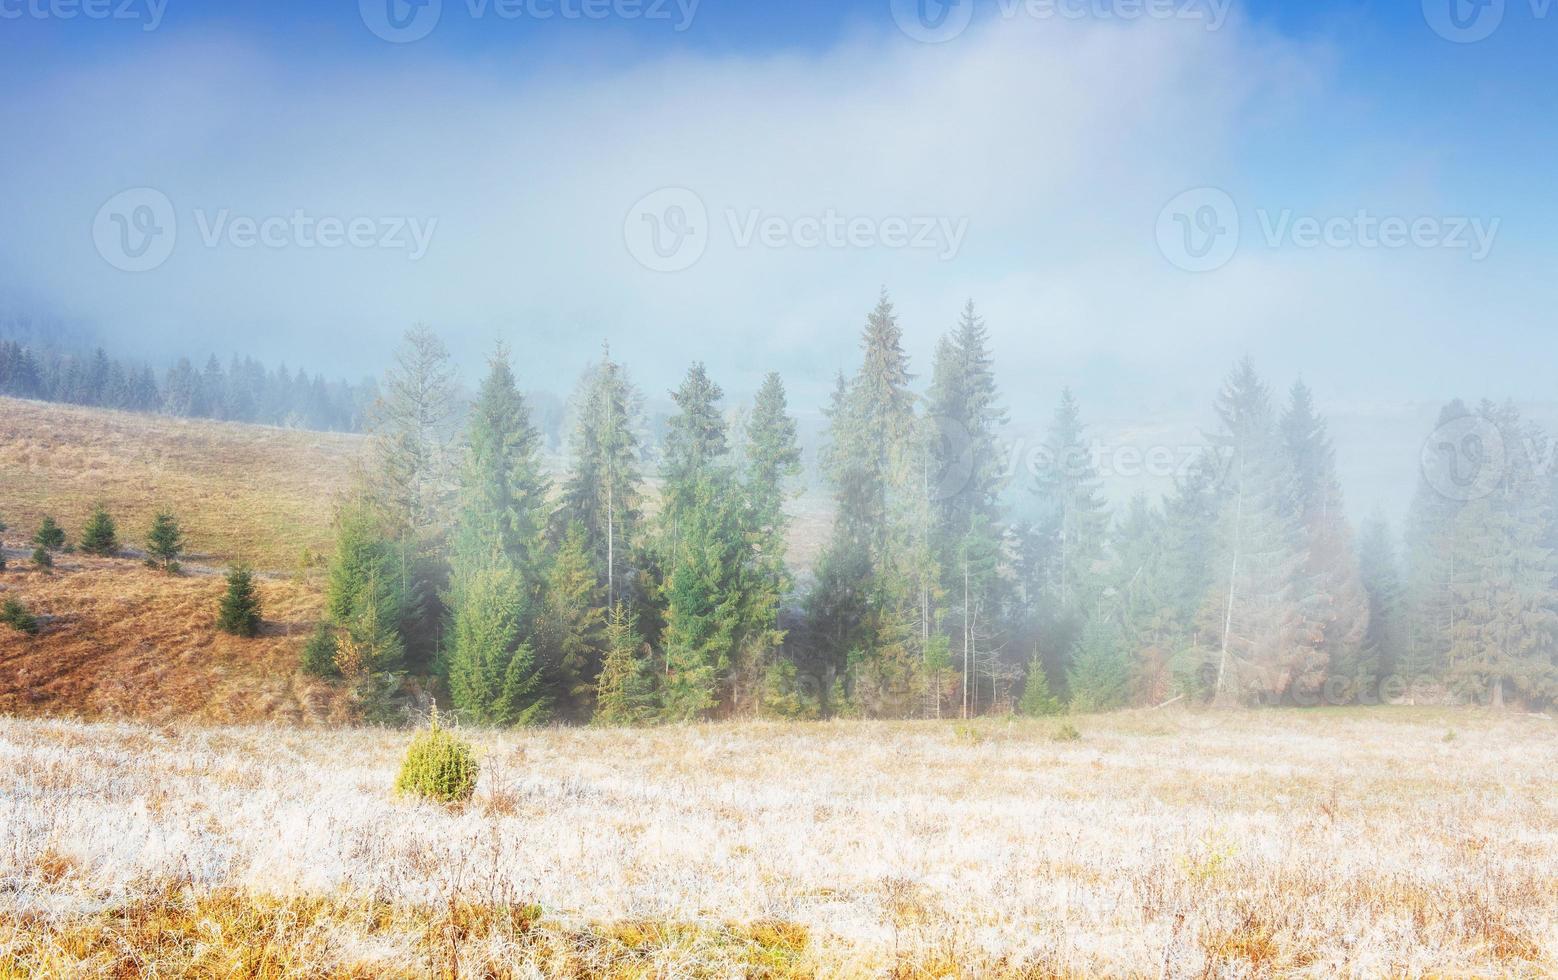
(1048, 150)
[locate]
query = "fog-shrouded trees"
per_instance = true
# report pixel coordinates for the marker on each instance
(497, 560)
(938, 588)
(604, 484)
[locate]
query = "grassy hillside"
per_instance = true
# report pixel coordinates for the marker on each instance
(249, 491)
(119, 640)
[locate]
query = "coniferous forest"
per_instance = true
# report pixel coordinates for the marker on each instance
(638, 586)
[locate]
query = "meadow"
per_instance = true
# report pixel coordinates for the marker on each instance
(1171, 843)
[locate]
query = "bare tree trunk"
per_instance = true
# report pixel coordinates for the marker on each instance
(1233, 576)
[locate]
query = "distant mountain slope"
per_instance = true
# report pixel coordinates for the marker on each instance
(240, 491)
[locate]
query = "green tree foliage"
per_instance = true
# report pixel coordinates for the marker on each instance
(1333, 586)
(100, 536)
(503, 486)
(42, 558)
(367, 568)
(703, 595)
(772, 464)
(1261, 607)
(625, 694)
(319, 653)
(1099, 678)
(50, 535)
(1037, 700)
(493, 675)
(568, 628)
(16, 616)
(410, 483)
(1505, 622)
(439, 766)
(603, 487)
(239, 613)
(1384, 641)
(164, 542)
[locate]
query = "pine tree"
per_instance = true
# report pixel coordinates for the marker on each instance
(366, 569)
(42, 558)
(568, 629)
(1384, 642)
(100, 537)
(1037, 701)
(871, 462)
(503, 486)
(164, 542)
(602, 491)
(1434, 553)
(1099, 678)
(497, 551)
(239, 614)
(1506, 622)
(493, 676)
(411, 481)
(1334, 587)
(772, 464)
(703, 594)
(623, 693)
(1268, 631)
(50, 535)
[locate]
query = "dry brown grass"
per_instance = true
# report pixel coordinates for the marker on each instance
(121, 641)
(239, 491)
(1268, 844)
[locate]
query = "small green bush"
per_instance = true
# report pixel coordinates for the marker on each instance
(15, 615)
(439, 766)
(319, 653)
(42, 558)
(50, 535)
(239, 613)
(100, 537)
(1067, 732)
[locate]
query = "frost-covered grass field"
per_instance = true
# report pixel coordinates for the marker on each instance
(1365, 842)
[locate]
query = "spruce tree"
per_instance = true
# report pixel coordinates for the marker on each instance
(42, 559)
(239, 614)
(411, 481)
(624, 692)
(603, 487)
(772, 464)
(1259, 610)
(1099, 678)
(50, 535)
(1384, 641)
(493, 675)
(1037, 701)
(1334, 588)
(100, 537)
(568, 629)
(164, 542)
